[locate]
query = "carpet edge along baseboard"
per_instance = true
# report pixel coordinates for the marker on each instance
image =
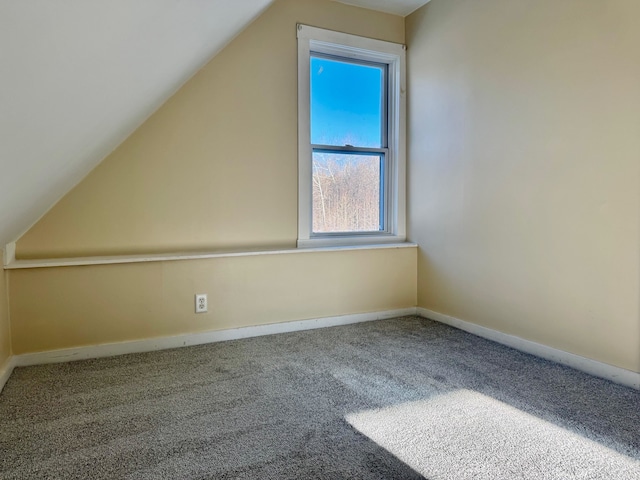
(587, 365)
(592, 367)
(200, 338)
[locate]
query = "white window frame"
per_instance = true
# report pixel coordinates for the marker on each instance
(317, 40)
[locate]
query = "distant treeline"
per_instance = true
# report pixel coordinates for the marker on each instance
(346, 193)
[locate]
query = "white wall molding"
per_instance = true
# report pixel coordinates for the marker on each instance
(164, 343)
(587, 365)
(6, 370)
(9, 253)
(172, 257)
(592, 367)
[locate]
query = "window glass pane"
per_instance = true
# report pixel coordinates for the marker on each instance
(346, 192)
(346, 103)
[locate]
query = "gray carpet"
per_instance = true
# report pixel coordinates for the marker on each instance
(404, 398)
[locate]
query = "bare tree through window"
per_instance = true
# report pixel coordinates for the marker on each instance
(346, 193)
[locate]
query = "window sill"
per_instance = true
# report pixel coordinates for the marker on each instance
(349, 241)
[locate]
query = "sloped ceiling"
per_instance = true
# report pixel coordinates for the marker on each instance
(78, 76)
(397, 7)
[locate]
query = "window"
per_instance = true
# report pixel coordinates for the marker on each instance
(351, 139)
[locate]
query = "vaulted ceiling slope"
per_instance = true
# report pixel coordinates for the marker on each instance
(78, 76)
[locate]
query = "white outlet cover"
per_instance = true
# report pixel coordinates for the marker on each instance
(201, 302)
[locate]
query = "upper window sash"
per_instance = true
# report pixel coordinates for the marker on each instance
(384, 90)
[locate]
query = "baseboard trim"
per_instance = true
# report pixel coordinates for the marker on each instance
(587, 365)
(6, 370)
(164, 343)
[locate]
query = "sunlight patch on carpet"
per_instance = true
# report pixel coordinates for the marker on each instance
(467, 435)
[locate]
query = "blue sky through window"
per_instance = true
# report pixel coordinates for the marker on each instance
(346, 103)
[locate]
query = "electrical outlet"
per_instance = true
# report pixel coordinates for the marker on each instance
(201, 302)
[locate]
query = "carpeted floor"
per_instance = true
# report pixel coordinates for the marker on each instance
(404, 398)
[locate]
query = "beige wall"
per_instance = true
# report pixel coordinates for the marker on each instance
(56, 308)
(5, 331)
(216, 166)
(524, 167)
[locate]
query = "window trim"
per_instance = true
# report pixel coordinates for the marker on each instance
(327, 42)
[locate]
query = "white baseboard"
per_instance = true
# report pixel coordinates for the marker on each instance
(592, 367)
(6, 370)
(587, 365)
(163, 343)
